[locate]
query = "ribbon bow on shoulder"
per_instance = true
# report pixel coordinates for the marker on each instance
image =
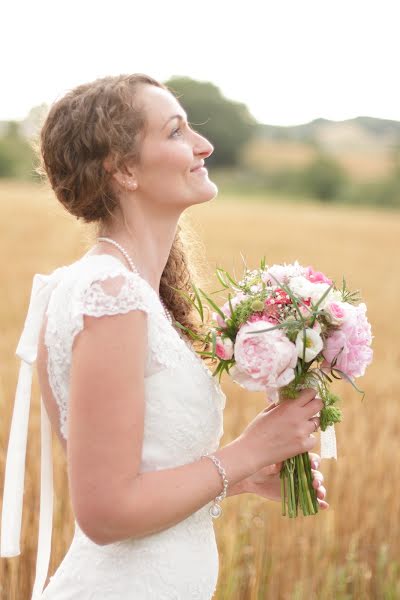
(11, 517)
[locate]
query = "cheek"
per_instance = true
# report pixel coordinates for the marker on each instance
(169, 159)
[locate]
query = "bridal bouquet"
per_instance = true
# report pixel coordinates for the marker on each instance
(283, 328)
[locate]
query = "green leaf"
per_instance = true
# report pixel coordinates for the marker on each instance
(220, 277)
(234, 283)
(188, 331)
(188, 298)
(212, 303)
(214, 342)
(218, 369)
(280, 326)
(347, 378)
(196, 293)
(324, 295)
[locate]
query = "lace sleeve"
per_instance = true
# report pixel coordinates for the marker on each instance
(113, 294)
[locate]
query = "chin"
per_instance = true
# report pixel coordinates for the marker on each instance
(208, 193)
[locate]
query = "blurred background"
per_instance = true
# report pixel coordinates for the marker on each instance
(302, 104)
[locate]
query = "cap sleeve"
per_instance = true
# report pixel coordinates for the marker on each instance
(116, 293)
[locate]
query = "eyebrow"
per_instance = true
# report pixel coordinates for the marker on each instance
(173, 117)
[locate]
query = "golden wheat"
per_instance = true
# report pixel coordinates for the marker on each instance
(349, 551)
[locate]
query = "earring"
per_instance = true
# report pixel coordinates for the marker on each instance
(130, 184)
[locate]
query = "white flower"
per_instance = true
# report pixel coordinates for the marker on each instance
(317, 291)
(314, 344)
(300, 286)
(282, 273)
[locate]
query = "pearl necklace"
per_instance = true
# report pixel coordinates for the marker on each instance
(134, 269)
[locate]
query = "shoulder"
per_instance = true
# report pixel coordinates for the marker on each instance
(99, 285)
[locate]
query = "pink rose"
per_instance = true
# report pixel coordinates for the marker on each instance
(224, 348)
(316, 276)
(263, 360)
(353, 339)
(336, 311)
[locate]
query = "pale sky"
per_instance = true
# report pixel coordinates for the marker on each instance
(289, 61)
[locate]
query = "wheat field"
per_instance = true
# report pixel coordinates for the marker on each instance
(352, 550)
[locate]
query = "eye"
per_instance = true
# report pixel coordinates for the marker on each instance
(175, 131)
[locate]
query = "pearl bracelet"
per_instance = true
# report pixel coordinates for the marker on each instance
(215, 510)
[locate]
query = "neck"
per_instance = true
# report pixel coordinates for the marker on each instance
(147, 242)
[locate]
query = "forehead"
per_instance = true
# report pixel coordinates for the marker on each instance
(159, 105)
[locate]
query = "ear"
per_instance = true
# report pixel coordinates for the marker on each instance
(125, 176)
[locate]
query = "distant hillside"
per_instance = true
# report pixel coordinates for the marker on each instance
(362, 133)
(364, 146)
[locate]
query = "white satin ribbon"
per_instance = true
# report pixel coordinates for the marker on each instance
(11, 518)
(328, 443)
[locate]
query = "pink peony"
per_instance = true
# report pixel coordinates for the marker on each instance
(224, 348)
(354, 336)
(263, 360)
(316, 276)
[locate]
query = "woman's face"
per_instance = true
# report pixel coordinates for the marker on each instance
(170, 153)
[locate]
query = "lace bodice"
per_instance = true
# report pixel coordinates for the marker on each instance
(190, 400)
(183, 420)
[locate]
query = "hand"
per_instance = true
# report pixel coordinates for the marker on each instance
(266, 482)
(281, 431)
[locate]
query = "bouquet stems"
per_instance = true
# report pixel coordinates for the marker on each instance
(297, 488)
(296, 484)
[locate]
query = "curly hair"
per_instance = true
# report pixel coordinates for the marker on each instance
(89, 123)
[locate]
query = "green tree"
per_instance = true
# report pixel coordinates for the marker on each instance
(324, 178)
(227, 124)
(16, 154)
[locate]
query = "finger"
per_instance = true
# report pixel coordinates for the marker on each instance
(270, 407)
(321, 492)
(315, 459)
(322, 504)
(313, 425)
(306, 396)
(312, 407)
(316, 483)
(277, 467)
(317, 475)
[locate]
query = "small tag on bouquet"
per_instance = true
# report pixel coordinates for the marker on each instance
(328, 443)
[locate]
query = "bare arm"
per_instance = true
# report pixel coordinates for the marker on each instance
(156, 500)
(111, 500)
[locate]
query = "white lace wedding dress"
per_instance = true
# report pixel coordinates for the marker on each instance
(183, 420)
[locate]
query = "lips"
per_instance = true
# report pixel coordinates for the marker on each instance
(199, 166)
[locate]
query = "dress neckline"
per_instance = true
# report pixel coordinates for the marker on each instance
(122, 264)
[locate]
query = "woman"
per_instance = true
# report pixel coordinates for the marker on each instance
(141, 412)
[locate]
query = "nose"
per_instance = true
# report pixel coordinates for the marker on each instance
(202, 146)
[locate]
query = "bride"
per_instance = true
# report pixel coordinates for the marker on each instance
(136, 410)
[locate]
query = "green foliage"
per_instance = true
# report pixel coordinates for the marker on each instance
(324, 178)
(16, 154)
(225, 123)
